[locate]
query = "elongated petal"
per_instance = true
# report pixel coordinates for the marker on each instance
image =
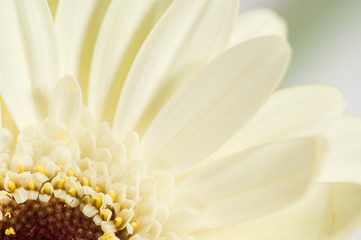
(28, 59)
(327, 212)
(176, 49)
(7, 120)
(258, 23)
(298, 111)
(66, 102)
(344, 156)
(125, 26)
(212, 107)
(77, 25)
(250, 183)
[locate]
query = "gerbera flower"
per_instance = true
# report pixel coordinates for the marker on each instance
(170, 128)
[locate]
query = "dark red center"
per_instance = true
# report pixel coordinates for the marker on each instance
(52, 220)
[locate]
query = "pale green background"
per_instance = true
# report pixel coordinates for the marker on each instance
(326, 39)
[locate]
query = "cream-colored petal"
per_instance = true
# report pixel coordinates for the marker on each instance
(214, 105)
(251, 183)
(258, 23)
(7, 120)
(28, 59)
(66, 102)
(327, 212)
(125, 26)
(77, 25)
(298, 111)
(344, 156)
(189, 35)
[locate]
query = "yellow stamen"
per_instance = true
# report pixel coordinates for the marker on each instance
(72, 191)
(85, 200)
(70, 88)
(31, 185)
(10, 231)
(8, 214)
(12, 186)
(105, 215)
(97, 189)
(106, 236)
(85, 181)
(47, 189)
(20, 167)
(97, 201)
(60, 183)
(118, 222)
(40, 169)
(134, 225)
(113, 195)
(70, 173)
(62, 136)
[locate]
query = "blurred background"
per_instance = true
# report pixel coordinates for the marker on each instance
(326, 41)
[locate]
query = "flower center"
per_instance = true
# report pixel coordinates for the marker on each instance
(54, 219)
(79, 184)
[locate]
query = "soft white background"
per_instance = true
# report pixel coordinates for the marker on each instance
(326, 39)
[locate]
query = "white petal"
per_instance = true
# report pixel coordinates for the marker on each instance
(189, 34)
(204, 114)
(258, 23)
(298, 111)
(77, 25)
(65, 105)
(28, 59)
(250, 183)
(343, 160)
(327, 212)
(125, 26)
(7, 120)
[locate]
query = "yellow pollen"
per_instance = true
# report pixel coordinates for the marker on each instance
(12, 186)
(8, 214)
(97, 189)
(60, 183)
(85, 181)
(10, 231)
(70, 173)
(85, 200)
(118, 222)
(70, 88)
(104, 213)
(47, 189)
(62, 136)
(31, 185)
(73, 191)
(40, 169)
(134, 225)
(20, 167)
(113, 194)
(97, 201)
(106, 236)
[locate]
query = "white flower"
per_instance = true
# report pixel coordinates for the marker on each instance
(171, 127)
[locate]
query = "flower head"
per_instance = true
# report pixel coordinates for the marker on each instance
(149, 121)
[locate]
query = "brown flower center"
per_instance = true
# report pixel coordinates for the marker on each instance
(34, 219)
